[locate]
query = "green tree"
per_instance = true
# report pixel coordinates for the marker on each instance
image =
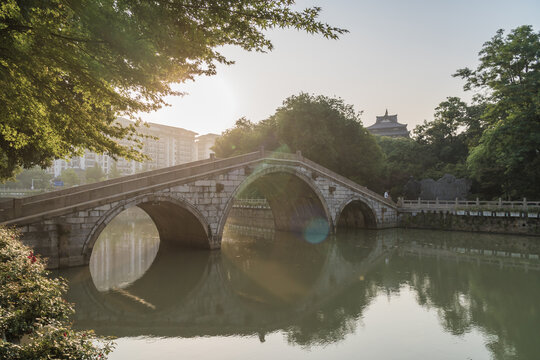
(69, 68)
(240, 139)
(34, 318)
(403, 159)
(455, 126)
(324, 129)
(36, 176)
(507, 157)
(70, 177)
(94, 174)
(438, 147)
(330, 132)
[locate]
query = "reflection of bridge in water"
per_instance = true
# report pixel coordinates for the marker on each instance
(311, 291)
(237, 291)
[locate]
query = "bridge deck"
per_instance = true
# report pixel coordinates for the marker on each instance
(82, 197)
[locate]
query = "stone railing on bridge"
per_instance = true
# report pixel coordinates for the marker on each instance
(349, 183)
(321, 169)
(91, 195)
(6, 194)
(119, 187)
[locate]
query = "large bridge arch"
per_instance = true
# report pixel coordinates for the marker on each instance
(176, 220)
(356, 212)
(289, 213)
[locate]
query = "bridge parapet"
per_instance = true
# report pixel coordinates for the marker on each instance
(349, 183)
(88, 195)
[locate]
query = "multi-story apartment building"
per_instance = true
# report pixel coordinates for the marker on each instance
(87, 160)
(203, 145)
(167, 146)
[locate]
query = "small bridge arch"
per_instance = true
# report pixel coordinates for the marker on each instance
(356, 212)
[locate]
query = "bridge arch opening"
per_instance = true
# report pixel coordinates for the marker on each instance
(177, 223)
(135, 271)
(356, 214)
(292, 201)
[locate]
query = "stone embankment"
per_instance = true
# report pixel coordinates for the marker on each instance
(480, 221)
(434, 216)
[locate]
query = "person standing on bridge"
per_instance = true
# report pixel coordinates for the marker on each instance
(386, 195)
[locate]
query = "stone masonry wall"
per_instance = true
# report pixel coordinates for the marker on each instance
(260, 218)
(443, 220)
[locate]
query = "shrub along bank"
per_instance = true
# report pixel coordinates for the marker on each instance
(34, 317)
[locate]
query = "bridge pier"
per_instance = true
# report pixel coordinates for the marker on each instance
(215, 242)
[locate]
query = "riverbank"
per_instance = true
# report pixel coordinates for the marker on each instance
(509, 222)
(517, 223)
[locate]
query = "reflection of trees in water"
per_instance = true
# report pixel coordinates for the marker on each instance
(279, 276)
(496, 244)
(338, 315)
(335, 320)
(501, 302)
(271, 284)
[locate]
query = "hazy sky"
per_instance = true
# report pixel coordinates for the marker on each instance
(398, 54)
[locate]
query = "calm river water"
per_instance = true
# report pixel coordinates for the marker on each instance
(392, 294)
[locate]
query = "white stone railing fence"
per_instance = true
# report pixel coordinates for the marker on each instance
(251, 203)
(476, 205)
(18, 193)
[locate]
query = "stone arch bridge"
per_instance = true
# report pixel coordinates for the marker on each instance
(190, 203)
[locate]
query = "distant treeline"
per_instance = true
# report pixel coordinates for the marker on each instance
(495, 141)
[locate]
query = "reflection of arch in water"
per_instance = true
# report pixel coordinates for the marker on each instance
(297, 204)
(124, 251)
(222, 299)
(176, 220)
(356, 214)
(268, 275)
(357, 244)
(173, 277)
(324, 287)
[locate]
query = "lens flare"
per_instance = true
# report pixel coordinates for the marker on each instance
(316, 231)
